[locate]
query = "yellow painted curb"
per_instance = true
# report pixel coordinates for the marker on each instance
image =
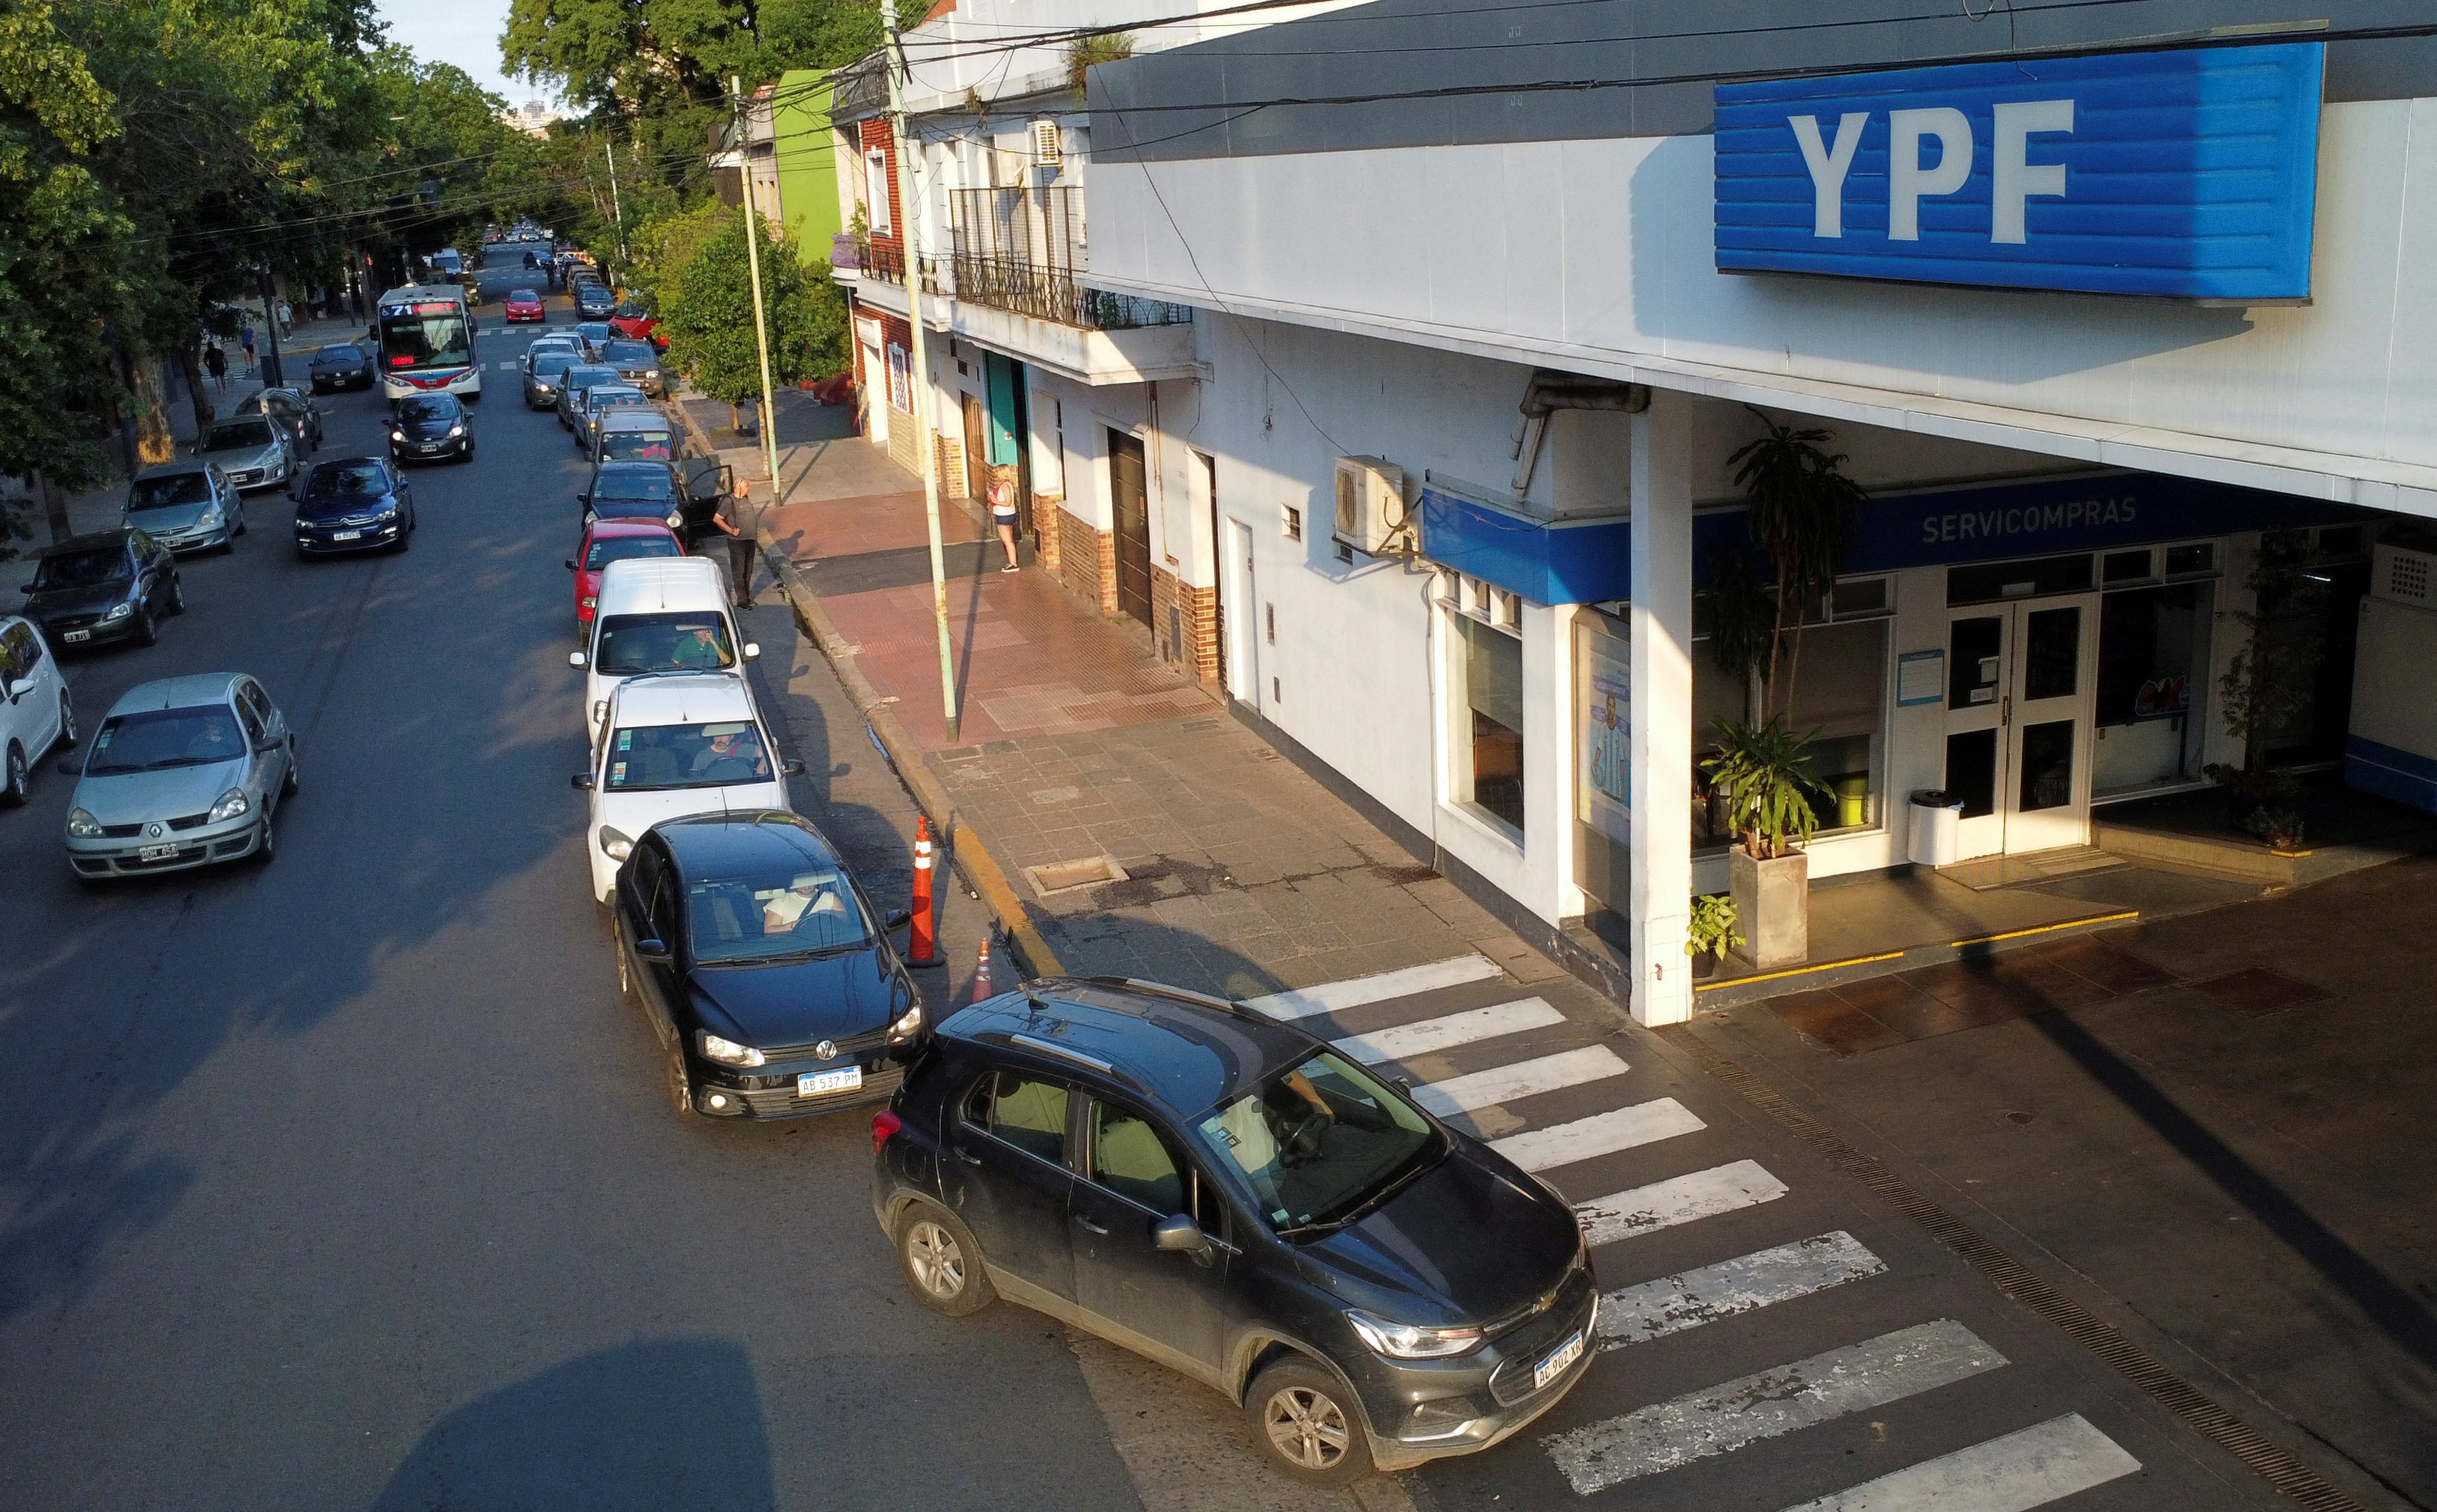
(2047, 929)
(1795, 970)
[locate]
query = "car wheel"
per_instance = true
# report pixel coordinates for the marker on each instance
(147, 630)
(405, 539)
(268, 847)
(14, 794)
(1307, 1423)
(240, 521)
(177, 595)
(287, 779)
(942, 1263)
(67, 722)
(679, 1084)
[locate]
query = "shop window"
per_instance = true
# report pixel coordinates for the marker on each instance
(2186, 561)
(2124, 566)
(1485, 712)
(2036, 577)
(1839, 688)
(2339, 543)
(2152, 647)
(1603, 762)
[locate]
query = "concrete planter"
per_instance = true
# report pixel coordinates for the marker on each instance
(1772, 907)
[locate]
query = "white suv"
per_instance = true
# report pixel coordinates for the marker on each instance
(676, 743)
(34, 712)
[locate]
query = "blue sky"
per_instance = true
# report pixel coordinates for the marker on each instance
(464, 32)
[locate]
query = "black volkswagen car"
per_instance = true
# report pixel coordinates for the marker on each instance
(112, 585)
(353, 505)
(342, 365)
(654, 490)
(1229, 1196)
(765, 971)
(430, 426)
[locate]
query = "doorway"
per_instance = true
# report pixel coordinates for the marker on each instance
(1129, 502)
(2018, 721)
(1236, 617)
(976, 448)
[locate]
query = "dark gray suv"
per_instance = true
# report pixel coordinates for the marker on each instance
(1232, 1198)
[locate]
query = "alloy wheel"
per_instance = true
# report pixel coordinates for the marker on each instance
(680, 1086)
(935, 1260)
(14, 793)
(67, 720)
(1306, 1427)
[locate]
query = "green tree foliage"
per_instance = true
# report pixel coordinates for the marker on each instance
(1803, 511)
(707, 313)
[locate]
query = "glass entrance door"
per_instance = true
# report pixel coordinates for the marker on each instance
(2018, 721)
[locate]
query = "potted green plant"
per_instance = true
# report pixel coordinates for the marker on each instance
(1764, 771)
(2270, 682)
(1711, 934)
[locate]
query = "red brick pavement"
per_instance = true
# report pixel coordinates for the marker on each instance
(809, 528)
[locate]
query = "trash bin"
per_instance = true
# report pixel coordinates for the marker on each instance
(1852, 801)
(1936, 828)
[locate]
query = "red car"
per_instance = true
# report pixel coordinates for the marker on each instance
(634, 321)
(524, 304)
(613, 540)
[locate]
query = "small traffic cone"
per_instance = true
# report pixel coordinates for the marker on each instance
(922, 946)
(982, 973)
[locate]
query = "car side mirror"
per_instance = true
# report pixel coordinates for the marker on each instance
(898, 919)
(25, 588)
(571, 564)
(751, 650)
(1180, 1235)
(575, 658)
(581, 782)
(652, 952)
(791, 768)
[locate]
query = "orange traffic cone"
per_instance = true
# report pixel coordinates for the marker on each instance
(922, 946)
(982, 973)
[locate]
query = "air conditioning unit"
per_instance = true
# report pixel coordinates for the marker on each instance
(1046, 154)
(1371, 506)
(2401, 576)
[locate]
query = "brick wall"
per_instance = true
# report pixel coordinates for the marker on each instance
(1043, 520)
(875, 139)
(1087, 562)
(1185, 625)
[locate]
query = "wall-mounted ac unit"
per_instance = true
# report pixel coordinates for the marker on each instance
(1046, 154)
(1371, 506)
(2401, 576)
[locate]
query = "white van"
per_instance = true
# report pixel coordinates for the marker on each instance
(676, 743)
(658, 614)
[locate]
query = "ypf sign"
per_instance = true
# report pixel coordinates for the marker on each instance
(2187, 174)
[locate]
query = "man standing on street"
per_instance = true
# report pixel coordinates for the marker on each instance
(736, 521)
(216, 363)
(245, 343)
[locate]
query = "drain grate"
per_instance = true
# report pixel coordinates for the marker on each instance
(2266, 1460)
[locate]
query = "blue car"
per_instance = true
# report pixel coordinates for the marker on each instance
(353, 505)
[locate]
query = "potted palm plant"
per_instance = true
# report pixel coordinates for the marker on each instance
(1711, 934)
(1764, 773)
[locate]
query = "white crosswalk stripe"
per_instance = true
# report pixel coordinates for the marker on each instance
(1329, 997)
(1524, 1079)
(1407, 1040)
(1677, 1200)
(1602, 1133)
(1723, 1419)
(2011, 1474)
(1635, 1314)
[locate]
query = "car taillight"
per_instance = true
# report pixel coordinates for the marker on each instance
(883, 1123)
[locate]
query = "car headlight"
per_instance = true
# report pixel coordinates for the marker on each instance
(907, 1025)
(726, 1052)
(587, 602)
(233, 805)
(1405, 1341)
(119, 612)
(397, 435)
(457, 430)
(617, 847)
(674, 519)
(208, 519)
(83, 826)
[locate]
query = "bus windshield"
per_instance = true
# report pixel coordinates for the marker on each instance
(428, 333)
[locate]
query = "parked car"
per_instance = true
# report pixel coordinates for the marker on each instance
(657, 616)
(634, 320)
(613, 540)
(606, 398)
(593, 301)
(638, 363)
(596, 335)
(112, 585)
(429, 426)
(653, 490)
(543, 369)
(182, 772)
(186, 506)
(1228, 1195)
(341, 365)
(766, 974)
(571, 385)
(354, 504)
(524, 304)
(35, 711)
(634, 435)
(251, 451)
(293, 409)
(676, 743)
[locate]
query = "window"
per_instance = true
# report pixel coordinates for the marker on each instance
(1988, 582)
(18, 653)
(1030, 1114)
(1293, 523)
(2187, 561)
(1315, 1142)
(2124, 567)
(1485, 705)
(2151, 642)
(1132, 1158)
(901, 381)
(645, 758)
(876, 191)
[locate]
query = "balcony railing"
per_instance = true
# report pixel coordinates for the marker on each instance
(1051, 293)
(884, 260)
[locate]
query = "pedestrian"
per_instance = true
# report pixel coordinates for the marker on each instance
(286, 317)
(216, 363)
(1002, 502)
(736, 524)
(245, 344)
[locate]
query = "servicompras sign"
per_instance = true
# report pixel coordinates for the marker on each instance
(2187, 174)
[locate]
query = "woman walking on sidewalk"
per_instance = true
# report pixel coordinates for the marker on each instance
(737, 524)
(245, 344)
(1002, 502)
(216, 363)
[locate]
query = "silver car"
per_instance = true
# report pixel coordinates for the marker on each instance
(184, 772)
(186, 506)
(605, 399)
(253, 449)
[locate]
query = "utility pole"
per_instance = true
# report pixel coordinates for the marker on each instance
(753, 265)
(270, 374)
(921, 378)
(609, 141)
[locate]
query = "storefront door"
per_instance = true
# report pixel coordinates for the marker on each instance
(2018, 721)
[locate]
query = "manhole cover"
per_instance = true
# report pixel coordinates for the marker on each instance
(1060, 876)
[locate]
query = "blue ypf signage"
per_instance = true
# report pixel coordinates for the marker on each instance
(2187, 174)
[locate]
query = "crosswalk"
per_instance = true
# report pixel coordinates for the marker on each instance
(1486, 1061)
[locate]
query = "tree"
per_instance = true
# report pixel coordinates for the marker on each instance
(2270, 681)
(707, 313)
(1803, 511)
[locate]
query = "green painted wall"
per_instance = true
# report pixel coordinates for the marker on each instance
(808, 189)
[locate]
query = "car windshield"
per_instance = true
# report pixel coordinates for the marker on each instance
(646, 757)
(430, 334)
(607, 549)
(634, 445)
(619, 398)
(631, 310)
(341, 353)
(347, 479)
(631, 354)
(664, 642)
(85, 568)
(808, 907)
(159, 738)
(579, 378)
(552, 363)
(593, 330)
(238, 433)
(169, 491)
(641, 484)
(1320, 1143)
(436, 407)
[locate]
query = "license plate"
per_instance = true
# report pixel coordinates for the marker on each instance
(1558, 1358)
(155, 852)
(78, 635)
(820, 1083)
(346, 535)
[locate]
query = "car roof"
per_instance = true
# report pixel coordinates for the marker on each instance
(168, 469)
(618, 390)
(630, 527)
(1182, 1049)
(344, 462)
(642, 420)
(175, 692)
(603, 370)
(645, 585)
(709, 843)
(623, 465)
(89, 540)
(684, 698)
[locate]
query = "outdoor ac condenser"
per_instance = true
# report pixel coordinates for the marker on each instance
(2391, 749)
(1045, 150)
(1371, 506)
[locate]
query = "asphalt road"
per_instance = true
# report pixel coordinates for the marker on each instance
(347, 1181)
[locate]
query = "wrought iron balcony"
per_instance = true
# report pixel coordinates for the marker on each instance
(1051, 293)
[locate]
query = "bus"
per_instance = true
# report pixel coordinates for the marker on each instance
(427, 337)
